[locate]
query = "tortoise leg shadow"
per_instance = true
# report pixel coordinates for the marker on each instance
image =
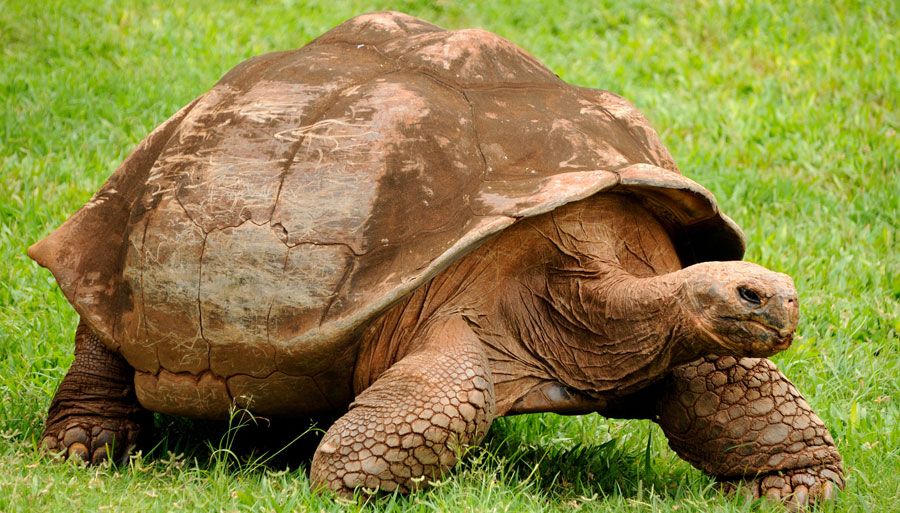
(95, 415)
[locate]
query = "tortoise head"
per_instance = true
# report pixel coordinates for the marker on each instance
(741, 308)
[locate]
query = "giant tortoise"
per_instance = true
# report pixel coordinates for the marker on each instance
(423, 230)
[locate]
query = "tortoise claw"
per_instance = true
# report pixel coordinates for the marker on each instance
(78, 450)
(49, 443)
(796, 488)
(827, 491)
(100, 455)
(800, 498)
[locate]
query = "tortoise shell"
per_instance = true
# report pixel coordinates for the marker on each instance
(241, 247)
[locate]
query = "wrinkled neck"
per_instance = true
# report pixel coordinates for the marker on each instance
(613, 331)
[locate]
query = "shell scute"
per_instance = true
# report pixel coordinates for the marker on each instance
(242, 270)
(470, 59)
(551, 133)
(312, 276)
(233, 152)
(632, 124)
(168, 250)
(376, 28)
(278, 394)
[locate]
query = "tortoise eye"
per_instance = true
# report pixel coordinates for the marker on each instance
(749, 295)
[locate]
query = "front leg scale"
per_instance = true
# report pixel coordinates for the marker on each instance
(410, 424)
(742, 421)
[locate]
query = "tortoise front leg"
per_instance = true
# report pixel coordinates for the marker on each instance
(95, 410)
(742, 421)
(410, 423)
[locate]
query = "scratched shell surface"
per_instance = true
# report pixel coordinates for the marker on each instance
(311, 189)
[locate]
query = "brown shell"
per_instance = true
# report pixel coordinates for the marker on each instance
(248, 238)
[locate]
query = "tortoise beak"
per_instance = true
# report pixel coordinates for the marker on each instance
(783, 341)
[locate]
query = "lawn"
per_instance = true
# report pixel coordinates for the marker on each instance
(789, 113)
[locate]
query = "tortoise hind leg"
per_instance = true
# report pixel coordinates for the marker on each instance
(407, 426)
(95, 410)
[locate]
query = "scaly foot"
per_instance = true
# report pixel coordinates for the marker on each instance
(95, 414)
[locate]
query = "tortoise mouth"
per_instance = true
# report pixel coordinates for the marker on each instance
(783, 342)
(781, 337)
(768, 341)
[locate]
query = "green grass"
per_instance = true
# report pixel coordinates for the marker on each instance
(789, 113)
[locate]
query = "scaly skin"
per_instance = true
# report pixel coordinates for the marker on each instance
(414, 419)
(95, 409)
(742, 421)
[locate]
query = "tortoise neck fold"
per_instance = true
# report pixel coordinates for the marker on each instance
(609, 331)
